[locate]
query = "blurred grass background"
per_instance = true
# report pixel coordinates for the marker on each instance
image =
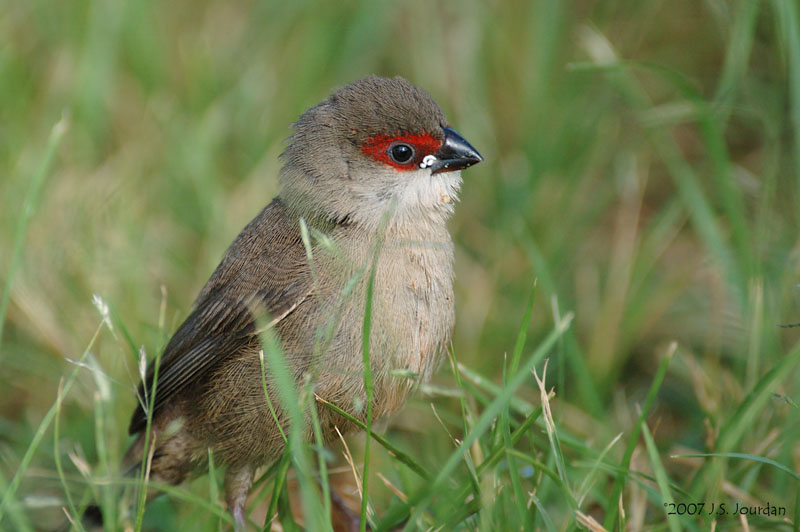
(642, 160)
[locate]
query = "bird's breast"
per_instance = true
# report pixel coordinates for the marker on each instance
(414, 302)
(411, 318)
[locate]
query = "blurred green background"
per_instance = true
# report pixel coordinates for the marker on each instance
(642, 161)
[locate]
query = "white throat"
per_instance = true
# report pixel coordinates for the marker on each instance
(416, 201)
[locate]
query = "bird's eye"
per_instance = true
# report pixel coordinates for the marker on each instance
(401, 153)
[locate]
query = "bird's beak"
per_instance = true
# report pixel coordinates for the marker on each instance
(455, 154)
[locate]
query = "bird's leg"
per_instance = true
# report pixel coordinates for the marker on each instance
(237, 485)
(342, 517)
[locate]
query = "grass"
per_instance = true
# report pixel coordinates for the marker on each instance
(642, 163)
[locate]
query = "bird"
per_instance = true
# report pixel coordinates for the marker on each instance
(372, 174)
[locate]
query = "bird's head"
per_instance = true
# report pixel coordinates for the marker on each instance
(373, 145)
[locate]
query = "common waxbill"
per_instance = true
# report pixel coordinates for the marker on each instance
(375, 167)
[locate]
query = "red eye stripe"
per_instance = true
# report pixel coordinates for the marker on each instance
(377, 148)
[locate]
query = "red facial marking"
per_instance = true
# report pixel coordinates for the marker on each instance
(377, 147)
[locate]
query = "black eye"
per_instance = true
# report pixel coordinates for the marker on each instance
(401, 153)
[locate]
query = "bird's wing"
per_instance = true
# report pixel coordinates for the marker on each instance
(263, 275)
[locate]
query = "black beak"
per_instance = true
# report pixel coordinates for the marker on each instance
(455, 154)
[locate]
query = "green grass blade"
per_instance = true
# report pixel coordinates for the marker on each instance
(612, 510)
(548, 522)
(368, 385)
(213, 487)
(661, 477)
(552, 436)
(737, 57)
(595, 467)
(787, 18)
(147, 448)
(467, 416)
(57, 459)
(15, 510)
(278, 487)
(107, 499)
(505, 427)
(522, 335)
(293, 405)
(271, 407)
